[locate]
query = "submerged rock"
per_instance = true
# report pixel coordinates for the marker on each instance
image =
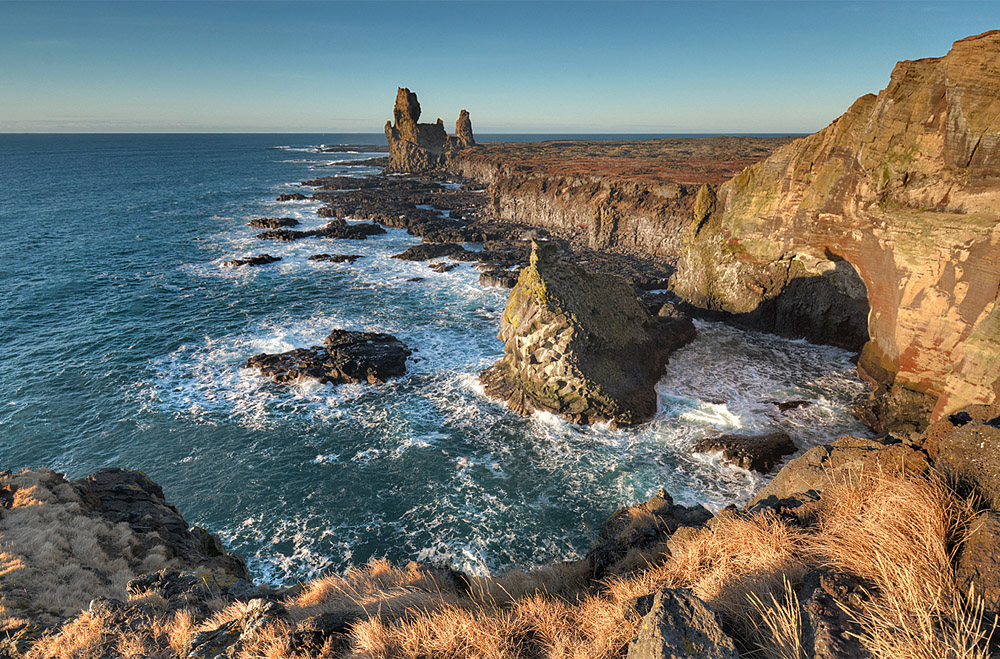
(753, 452)
(346, 356)
(580, 345)
(336, 258)
(260, 259)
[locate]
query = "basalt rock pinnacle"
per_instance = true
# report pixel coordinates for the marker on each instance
(885, 224)
(580, 345)
(416, 147)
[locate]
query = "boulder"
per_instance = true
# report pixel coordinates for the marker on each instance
(580, 345)
(641, 527)
(978, 564)
(225, 640)
(970, 455)
(753, 452)
(346, 356)
(811, 471)
(291, 196)
(829, 603)
(679, 626)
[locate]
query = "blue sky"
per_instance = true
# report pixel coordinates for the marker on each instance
(567, 66)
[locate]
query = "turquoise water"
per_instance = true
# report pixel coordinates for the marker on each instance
(124, 340)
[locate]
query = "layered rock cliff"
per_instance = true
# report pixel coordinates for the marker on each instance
(888, 220)
(580, 345)
(416, 147)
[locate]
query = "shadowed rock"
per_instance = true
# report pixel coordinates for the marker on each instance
(754, 452)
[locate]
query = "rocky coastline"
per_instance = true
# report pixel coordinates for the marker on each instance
(878, 233)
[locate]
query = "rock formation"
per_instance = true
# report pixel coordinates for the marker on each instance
(416, 147)
(345, 357)
(580, 345)
(882, 226)
(67, 542)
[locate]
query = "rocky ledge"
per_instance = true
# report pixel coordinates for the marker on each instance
(345, 357)
(581, 345)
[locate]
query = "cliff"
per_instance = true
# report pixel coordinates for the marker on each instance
(416, 147)
(579, 344)
(882, 226)
(631, 197)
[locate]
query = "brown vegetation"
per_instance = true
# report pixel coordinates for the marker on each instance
(895, 533)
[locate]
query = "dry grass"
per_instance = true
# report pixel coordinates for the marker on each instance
(779, 630)
(894, 532)
(53, 558)
(898, 533)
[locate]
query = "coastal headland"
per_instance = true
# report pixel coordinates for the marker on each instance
(880, 233)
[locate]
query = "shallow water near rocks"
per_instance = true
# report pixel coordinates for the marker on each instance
(125, 339)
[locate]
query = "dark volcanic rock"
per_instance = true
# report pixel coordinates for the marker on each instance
(286, 235)
(641, 527)
(428, 251)
(291, 196)
(273, 222)
(333, 229)
(754, 452)
(260, 259)
(442, 267)
(346, 357)
(829, 607)
(336, 258)
(679, 625)
(500, 278)
(978, 563)
(341, 229)
(580, 345)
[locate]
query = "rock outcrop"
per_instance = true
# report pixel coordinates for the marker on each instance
(753, 452)
(346, 356)
(677, 624)
(63, 543)
(416, 147)
(580, 345)
(882, 229)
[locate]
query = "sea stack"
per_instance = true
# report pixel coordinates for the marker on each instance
(416, 147)
(580, 345)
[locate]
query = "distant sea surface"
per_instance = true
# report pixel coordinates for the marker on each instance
(124, 341)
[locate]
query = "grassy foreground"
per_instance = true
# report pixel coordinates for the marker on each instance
(896, 535)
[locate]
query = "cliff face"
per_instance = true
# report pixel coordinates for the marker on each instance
(625, 196)
(416, 147)
(891, 212)
(579, 344)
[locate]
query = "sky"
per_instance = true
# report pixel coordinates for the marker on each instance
(518, 67)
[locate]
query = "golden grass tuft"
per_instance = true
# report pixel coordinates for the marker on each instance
(897, 533)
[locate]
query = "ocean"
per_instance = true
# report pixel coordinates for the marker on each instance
(124, 341)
